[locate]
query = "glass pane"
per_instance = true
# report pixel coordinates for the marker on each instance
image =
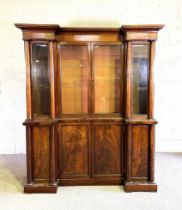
(140, 72)
(40, 80)
(74, 79)
(107, 79)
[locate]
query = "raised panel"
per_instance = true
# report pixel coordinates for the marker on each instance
(75, 150)
(41, 155)
(107, 149)
(140, 148)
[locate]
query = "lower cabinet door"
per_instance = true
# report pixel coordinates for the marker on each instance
(74, 154)
(107, 149)
(140, 154)
(41, 136)
(90, 150)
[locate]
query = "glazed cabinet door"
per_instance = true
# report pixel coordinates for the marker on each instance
(140, 79)
(107, 79)
(74, 74)
(40, 80)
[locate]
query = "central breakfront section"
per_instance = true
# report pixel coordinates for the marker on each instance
(89, 106)
(90, 130)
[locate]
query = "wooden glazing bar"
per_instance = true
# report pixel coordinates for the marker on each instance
(128, 80)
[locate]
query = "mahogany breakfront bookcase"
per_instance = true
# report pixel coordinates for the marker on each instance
(90, 106)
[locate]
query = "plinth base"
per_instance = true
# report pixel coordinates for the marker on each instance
(40, 188)
(140, 187)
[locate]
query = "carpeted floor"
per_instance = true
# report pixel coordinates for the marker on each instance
(168, 197)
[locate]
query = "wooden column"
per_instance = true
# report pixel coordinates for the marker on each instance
(53, 170)
(29, 155)
(29, 111)
(152, 153)
(128, 51)
(151, 80)
(151, 113)
(53, 177)
(28, 79)
(52, 78)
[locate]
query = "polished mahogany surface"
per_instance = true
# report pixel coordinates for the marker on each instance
(90, 106)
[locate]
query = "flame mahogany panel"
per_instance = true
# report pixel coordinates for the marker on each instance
(107, 149)
(74, 143)
(140, 150)
(41, 154)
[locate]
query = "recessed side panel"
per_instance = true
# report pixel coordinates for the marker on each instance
(107, 149)
(140, 148)
(74, 149)
(41, 155)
